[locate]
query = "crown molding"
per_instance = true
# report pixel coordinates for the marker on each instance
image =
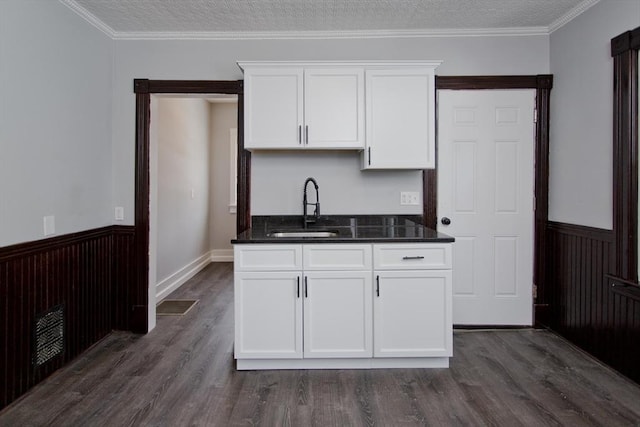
(572, 14)
(90, 18)
(359, 34)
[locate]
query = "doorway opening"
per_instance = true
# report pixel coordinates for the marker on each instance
(193, 151)
(143, 293)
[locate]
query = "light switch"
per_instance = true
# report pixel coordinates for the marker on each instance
(193, 193)
(49, 225)
(119, 213)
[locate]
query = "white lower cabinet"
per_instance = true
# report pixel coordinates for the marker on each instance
(412, 303)
(343, 306)
(412, 314)
(268, 315)
(337, 314)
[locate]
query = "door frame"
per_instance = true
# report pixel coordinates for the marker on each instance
(542, 83)
(144, 88)
(624, 50)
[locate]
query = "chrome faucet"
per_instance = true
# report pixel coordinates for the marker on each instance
(316, 213)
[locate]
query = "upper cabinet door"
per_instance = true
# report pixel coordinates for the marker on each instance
(273, 109)
(400, 119)
(334, 108)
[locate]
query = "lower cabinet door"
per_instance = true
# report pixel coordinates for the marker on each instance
(268, 315)
(412, 313)
(337, 314)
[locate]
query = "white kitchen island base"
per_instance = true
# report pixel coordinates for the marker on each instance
(343, 306)
(368, 363)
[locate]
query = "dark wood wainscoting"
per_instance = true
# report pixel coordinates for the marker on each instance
(583, 306)
(87, 274)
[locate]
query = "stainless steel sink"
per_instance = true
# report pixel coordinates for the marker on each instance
(303, 233)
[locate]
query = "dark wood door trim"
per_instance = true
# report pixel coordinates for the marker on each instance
(143, 89)
(543, 84)
(624, 50)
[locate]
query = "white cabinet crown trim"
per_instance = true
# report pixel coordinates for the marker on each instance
(332, 64)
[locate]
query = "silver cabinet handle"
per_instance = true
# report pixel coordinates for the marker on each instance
(306, 134)
(299, 134)
(413, 257)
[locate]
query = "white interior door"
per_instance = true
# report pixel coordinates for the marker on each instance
(485, 190)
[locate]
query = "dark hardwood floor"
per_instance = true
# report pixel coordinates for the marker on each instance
(182, 373)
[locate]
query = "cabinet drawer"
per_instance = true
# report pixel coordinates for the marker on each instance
(337, 257)
(412, 256)
(267, 257)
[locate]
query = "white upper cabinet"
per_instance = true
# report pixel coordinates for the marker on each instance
(384, 108)
(400, 118)
(334, 108)
(303, 107)
(273, 108)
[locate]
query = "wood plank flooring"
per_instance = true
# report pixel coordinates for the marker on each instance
(182, 373)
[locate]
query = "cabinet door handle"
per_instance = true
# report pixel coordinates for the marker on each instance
(306, 293)
(377, 286)
(413, 257)
(298, 286)
(369, 153)
(299, 134)
(306, 134)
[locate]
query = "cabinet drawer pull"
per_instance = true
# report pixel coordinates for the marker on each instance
(413, 257)
(306, 294)
(306, 134)
(298, 286)
(299, 134)
(377, 286)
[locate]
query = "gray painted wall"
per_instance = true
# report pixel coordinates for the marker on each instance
(582, 113)
(49, 54)
(278, 179)
(182, 183)
(224, 116)
(55, 121)
(216, 60)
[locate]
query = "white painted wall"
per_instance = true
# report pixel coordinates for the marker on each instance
(582, 113)
(55, 121)
(224, 117)
(216, 60)
(182, 186)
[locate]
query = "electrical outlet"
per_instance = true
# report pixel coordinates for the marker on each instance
(409, 198)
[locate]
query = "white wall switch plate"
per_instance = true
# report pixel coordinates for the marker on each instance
(49, 225)
(119, 213)
(409, 198)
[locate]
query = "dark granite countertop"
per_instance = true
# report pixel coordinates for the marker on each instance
(349, 229)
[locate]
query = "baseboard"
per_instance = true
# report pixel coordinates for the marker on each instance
(222, 255)
(178, 278)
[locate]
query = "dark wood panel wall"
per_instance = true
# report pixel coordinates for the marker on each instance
(584, 307)
(88, 273)
(580, 304)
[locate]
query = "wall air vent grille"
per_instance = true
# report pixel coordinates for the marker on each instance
(49, 335)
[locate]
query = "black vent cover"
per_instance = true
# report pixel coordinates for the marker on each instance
(49, 335)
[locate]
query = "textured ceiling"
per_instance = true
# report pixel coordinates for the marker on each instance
(237, 17)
